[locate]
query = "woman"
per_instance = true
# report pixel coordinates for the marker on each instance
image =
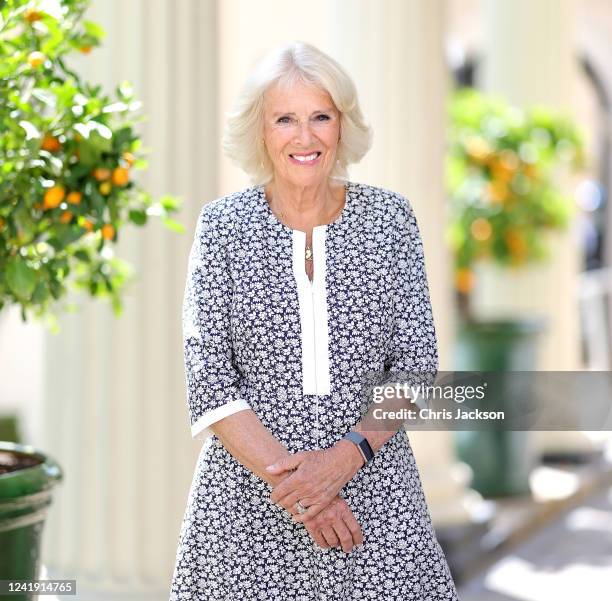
(296, 287)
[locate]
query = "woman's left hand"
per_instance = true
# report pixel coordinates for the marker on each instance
(317, 477)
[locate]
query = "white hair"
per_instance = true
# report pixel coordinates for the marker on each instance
(286, 65)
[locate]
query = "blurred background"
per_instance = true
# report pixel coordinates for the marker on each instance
(480, 109)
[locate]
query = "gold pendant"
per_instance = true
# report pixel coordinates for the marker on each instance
(308, 253)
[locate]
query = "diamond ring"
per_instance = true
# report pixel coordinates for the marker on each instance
(300, 508)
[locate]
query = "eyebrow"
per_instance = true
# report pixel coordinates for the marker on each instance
(327, 110)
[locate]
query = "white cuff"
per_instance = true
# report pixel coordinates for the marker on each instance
(214, 415)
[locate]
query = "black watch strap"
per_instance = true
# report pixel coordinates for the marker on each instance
(362, 444)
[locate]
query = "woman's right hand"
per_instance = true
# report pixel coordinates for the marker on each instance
(335, 526)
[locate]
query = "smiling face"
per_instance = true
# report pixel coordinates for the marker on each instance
(301, 131)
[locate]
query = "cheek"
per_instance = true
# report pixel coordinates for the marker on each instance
(331, 139)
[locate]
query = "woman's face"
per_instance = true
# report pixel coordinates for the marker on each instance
(301, 131)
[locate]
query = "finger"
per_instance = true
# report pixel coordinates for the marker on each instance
(318, 538)
(288, 486)
(312, 511)
(330, 536)
(344, 534)
(290, 501)
(354, 528)
(286, 463)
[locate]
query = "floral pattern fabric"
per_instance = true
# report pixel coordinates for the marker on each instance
(242, 343)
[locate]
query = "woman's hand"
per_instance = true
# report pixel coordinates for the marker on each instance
(335, 526)
(317, 477)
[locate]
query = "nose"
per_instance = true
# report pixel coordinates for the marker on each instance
(304, 134)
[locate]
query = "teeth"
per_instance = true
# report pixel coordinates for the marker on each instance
(310, 157)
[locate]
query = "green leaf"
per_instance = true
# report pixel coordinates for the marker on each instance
(82, 255)
(125, 90)
(66, 234)
(99, 141)
(175, 226)
(41, 292)
(94, 29)
(138, 217)
(57, 288)
(170, 203)
(20, 277)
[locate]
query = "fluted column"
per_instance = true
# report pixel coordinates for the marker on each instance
(259, 27)
(394, 50)
(543, 68)
(530, 57)
(115, 410)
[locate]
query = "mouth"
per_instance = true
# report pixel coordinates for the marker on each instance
(305, 159)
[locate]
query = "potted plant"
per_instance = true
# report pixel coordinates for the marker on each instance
(500, 176)
(68, 153)
(27, 478)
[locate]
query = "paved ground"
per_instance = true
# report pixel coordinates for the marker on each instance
(568, 560)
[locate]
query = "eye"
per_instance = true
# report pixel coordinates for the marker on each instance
(283, 119)
(322, 117)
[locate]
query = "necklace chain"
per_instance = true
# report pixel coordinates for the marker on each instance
(308, 251)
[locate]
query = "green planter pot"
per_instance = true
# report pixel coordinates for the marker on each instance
(501, 460)
(25, 495)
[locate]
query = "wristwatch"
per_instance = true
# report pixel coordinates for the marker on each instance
(361, 442)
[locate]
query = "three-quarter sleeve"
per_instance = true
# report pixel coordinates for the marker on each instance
(212, 379)
(412, 346)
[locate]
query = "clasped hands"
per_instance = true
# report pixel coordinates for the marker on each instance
(315, 478)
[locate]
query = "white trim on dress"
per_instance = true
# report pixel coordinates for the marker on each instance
(214, 415)
(313, 312)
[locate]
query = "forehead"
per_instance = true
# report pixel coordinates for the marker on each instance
(296, 96)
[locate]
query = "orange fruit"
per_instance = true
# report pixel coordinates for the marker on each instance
(2, 223)
(531, 170)
(478, 149)
(497, 191)
(503, 170)
(36, 59)
(53, 197)
(101, 173)
(66, 217)
(31, 15)
(88, 225)
(120, 176)
(516, 244)
(85, 49)
(50, 143)
(105, 188)
(74, 198)
(481, 229)
(128, 157)
(108, 231)
(464, 280)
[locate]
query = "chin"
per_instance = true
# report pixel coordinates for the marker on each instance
(309, 179)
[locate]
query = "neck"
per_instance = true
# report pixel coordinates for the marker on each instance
(313, 205)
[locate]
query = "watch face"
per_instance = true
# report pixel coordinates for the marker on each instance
(364, 445)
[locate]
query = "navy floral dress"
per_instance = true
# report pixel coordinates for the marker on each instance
(258, 334)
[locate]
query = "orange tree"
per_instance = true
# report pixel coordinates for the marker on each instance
(500, 175)
(67, 155)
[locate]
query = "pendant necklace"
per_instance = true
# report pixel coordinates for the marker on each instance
(308, 253)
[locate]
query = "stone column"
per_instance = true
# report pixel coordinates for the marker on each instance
(530, 57)
(114, 404)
